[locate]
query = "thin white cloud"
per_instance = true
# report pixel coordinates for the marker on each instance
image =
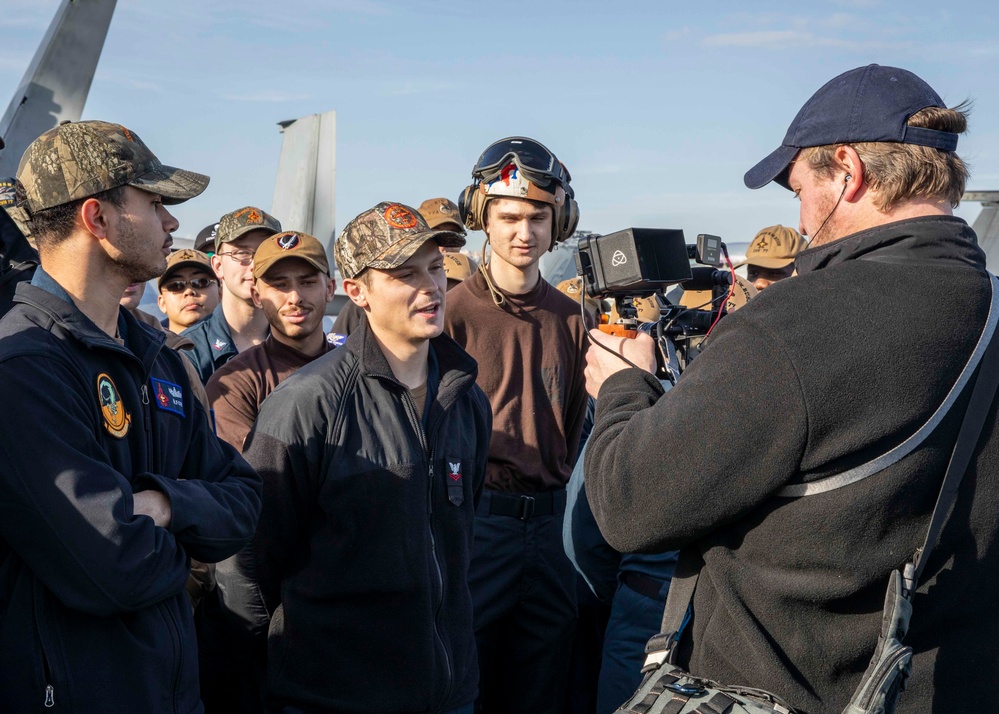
(787, 39)
(266, 96)
(674, 35)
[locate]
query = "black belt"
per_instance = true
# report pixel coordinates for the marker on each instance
(526, 506)
(642, 584)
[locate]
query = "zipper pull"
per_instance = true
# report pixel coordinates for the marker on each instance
(49, 696)
(145, 395)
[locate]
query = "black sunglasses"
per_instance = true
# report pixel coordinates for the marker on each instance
(179, 286)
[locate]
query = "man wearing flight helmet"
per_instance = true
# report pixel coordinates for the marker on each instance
(529, 341)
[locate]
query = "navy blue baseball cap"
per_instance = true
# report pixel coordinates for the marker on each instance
(871, 103)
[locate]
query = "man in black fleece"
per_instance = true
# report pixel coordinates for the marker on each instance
(111, 479)
(815, 376)
(372, 458)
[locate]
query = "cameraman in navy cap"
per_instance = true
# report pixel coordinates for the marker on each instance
(843, 373)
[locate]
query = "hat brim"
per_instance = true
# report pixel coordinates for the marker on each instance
(405, 249)
(772, 168)
(768, 263)
(173, 184)
(185, 264)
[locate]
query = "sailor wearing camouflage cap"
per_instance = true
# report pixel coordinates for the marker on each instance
(236, 324)
(377, 451)
(103, 508)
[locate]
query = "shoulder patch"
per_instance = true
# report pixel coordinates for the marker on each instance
(116, 420)
(336, 339)
(168, 396)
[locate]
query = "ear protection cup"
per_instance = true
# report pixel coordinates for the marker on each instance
(465, 211)
(568, 221)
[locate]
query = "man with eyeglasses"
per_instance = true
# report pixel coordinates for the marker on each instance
(189, 290)
(236, 324)
(529, 340)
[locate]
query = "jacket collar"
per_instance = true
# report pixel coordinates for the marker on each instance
(930, 240)
(457, 367)
(46, 296)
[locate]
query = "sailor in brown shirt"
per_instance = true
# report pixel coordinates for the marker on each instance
(529, 340)
(292, 285)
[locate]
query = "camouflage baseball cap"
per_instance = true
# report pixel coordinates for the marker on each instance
(290, 244)
(240, 222)
(186, 258)
(385, 237)
(774, 247)
(77, 160)
(442, 212)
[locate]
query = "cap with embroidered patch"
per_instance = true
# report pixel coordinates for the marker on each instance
(76, 160)
(186, 258)
(458, 266)
(442, 212)
(385, 237)
(240, 222)
(774, 247)
(205, 240)
(871, 103)
(572, 288)
(289, 244)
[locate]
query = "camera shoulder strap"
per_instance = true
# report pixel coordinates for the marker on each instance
(859, 473)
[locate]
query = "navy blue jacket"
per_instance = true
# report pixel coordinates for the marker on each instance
(213, 345)
(93, 613)
(364, 543)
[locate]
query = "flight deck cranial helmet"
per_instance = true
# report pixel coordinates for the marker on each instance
(518, 167)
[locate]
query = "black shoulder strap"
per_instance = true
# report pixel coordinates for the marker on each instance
(979, 405)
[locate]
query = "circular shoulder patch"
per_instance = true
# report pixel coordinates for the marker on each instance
(400, 217)
(116, 419)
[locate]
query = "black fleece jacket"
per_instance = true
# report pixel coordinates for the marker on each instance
(93, 613)
(818, 374)
(361, 557)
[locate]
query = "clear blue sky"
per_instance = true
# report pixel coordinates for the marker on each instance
(656, 107)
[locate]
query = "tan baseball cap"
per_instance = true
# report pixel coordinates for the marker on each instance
(573, 288)
(385, 237)
(241, 221)
(774, 247)
(442, 212)
(458, 266)
(186, 258)
(76, 160)
(289, 244)
(701, 299)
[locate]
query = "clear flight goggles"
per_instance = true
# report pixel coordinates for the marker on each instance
(533, 158)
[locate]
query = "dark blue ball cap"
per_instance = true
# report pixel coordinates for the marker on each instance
(871, 103)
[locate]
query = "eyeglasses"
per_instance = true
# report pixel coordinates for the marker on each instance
(243, 257)
(179, 286)
(533, 158)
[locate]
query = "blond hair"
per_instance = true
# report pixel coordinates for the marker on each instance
(898, 172)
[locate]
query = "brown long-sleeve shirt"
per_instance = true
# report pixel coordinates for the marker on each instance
(238, 388)
(531, 354)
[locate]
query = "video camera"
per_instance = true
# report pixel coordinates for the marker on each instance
(640, 264)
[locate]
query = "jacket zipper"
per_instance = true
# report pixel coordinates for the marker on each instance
(146, 419)
(46, 669)
(428, 452)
